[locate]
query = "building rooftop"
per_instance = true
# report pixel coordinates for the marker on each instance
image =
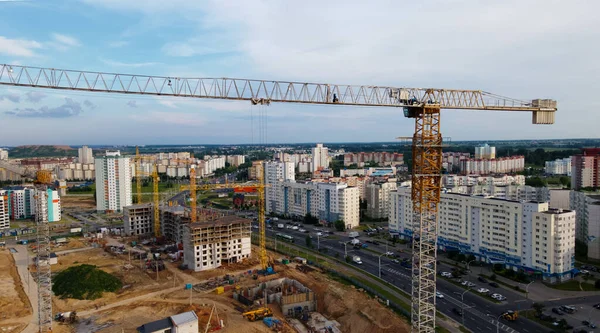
(557, 211)
(184, 318)
(142, 205)
(225, 220)
(154, 326)
(173, 209)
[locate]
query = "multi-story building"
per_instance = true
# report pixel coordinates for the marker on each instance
(485, 152)
(276, 171)
(585, 169)
(21, 203)
(506, 192)
(451, 161)
(138, 220)
(208, 245)
(381, 158)
(256, 170)
(236, 160)
(377, 195)
(327, 201)
(113, 182)
(320, 157)
(85, 155)
(560, 166)
(173, 220)
(509, 164)
(3, 154)
(75, 171)
(520, 235)
(4, 221)
(468, 180)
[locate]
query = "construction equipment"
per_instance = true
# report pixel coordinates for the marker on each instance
(43, 177)
(510, 315)
(422, 104)
(66, 317)
(258, 314)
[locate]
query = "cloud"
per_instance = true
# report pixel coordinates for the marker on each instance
(87, 103)
(18, 47)
(196, 47)
(34, 96)
(133, 65)
(120, 43)
(132, 104)
(65, 40)
(15, 98)
(172, 118)
(69, 109)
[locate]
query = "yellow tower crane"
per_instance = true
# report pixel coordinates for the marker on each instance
(422, 104)
(155, 192)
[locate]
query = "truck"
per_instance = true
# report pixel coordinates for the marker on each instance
(357, 260)
(75, 230)
(353, 234)
(60, 240)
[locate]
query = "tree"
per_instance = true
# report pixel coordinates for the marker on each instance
(539, 308)
(308, 241)
(340, 225)
(535, 182)
(461, 257)
(581, 249)
(597, 284)
(309, 219)
(84, 282)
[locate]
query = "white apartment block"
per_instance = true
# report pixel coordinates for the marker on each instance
(320, 157)
(236, 160)
(328, 202)
(138, 220)
(85, 155)
(558, 167)
(54, 207)
(520, 235)
(274, 172)
(209, 245)
(468, 180)
(3, 154)
(487, 166)
(4, 221)
(506, 192)
(21, 202)
(485, 152)
(382, 158)
(451, 160)
(113, 182)
(378, 199)
(75, 171)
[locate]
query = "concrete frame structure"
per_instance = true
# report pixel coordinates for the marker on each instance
(207, 245)
(173, 221)
(138, 220)
(288, 294)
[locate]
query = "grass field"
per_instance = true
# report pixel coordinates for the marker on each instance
(573, 285)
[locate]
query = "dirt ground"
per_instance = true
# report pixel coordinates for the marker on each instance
(78, 202)
(15, 310)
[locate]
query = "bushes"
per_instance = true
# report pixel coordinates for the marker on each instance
(84, 282)
(597, 284)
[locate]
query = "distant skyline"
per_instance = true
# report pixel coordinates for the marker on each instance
(521, 49)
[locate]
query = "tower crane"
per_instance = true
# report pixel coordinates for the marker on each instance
(155, 194)
(422, 104)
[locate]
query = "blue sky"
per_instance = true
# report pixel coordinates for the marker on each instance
(517, 48)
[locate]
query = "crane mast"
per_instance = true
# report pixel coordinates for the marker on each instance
(422, 104)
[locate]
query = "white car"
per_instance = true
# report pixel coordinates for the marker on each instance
(497, 296)
(470, 284)
(302, 230)
(438, 294)
(319, 234)
(482, 290)
(294, 228)
(389, 253)
(585, 272)
(446, 274)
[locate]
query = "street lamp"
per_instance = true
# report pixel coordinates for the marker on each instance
(379, 257)
(468, 270)
(462, 303)
(527, 289)
(497, 323)
(345, 251)
(318, 242)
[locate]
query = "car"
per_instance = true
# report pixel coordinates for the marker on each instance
(464, 283)
(302, 230)
(389, 253)
(567, 308)
(494, 284)
(481, 279)
(496, 296)
(396, 261)
(294, 228)
(597, 306)
(592, 325)
(446, 274)
(482, 290)
(457, 311)
(584, 272)
(557, 311)
(438, 294)
(585, 323)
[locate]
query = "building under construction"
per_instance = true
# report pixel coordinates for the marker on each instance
(209, 244)
(293, 298)
(138, 220)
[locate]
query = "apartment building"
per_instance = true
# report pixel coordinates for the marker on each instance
(560, 166)
(451, 180)
(113, 182)
(209, 245)
(509, 164)
(276, 171)
(381, 158)
(585, 169)
(320, 157)
(451, 161)
(485, 152)
(256, 170)
(21, 203)
(138, 220)
(85, 155)
(377, 195)
(236, 160)
(4, 221)
(520, 235)
(507, 192)
(3, 154)
(325, 200)
(173, 220)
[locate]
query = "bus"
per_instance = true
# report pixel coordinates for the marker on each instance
(285, 238)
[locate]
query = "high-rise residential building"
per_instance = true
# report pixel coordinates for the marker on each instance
(3, 154)
(4, 221)
(462, 180)
(138, 220)
(276, 171)
(506, 192)
(381, 158)
(256, 170)
(585, 169)
(451, 161)
(378, 197)
(328, 202)
(20, 203)
(485, 152)
(113, 182)
(320, 157)
(236, 160)
(560, 166)
(527, 236)
(85, 155)
(487, 166)
(209, 245)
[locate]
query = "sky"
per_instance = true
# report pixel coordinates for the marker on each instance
(524, 49)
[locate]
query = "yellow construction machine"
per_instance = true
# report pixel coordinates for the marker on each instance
(258, 314)
(510, 315)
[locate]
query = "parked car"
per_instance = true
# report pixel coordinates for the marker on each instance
(482, 280)
(557, 311)
(446, 274)
(389, 253)
(494, 284)
(482, 290)
(396, 261)
(568, 308)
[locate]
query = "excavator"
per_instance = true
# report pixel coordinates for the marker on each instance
(258, 314)
(510, 315)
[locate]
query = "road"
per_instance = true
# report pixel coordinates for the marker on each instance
(480, 314)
